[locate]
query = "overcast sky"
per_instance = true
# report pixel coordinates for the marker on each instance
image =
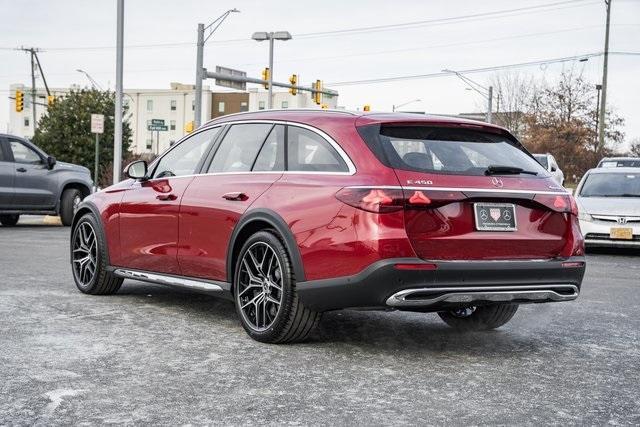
(81, 34)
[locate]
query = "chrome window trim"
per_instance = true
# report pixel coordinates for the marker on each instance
(463, 189)
(345, 157)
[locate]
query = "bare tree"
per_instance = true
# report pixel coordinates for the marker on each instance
(513, 93)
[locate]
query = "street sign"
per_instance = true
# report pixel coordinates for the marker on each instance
(229, 83)
(157, 122)
(159, 128)
(97, 123)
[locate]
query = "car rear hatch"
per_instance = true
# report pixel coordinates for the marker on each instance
(474, 193)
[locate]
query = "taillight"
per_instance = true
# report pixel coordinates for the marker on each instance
(559, 202)
(377, 200)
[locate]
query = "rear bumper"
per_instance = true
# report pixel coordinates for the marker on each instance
(448, 285)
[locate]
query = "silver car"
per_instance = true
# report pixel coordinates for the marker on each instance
(609, 207)
(549, 163)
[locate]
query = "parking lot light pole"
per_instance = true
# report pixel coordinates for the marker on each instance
(486, 92)
(212, 27)
(271, 36)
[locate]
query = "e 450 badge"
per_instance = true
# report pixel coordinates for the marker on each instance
(419, 182)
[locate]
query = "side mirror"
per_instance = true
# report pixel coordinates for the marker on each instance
(553, 169)
(136, 170)
(51, 162)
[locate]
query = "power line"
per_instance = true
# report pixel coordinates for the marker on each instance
(477, 70)
(362, 30)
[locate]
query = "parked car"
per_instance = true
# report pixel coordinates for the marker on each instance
(549, 163)
(34, 183)
(293, 213)
(619, 162)
(609, 205)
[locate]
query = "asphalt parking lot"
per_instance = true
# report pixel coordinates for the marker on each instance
(155, 355)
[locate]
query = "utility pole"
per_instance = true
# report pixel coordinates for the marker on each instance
(33, 89)
(199, 59)
(270, 103)
(603, 99)
(117, 132)
(489, 103)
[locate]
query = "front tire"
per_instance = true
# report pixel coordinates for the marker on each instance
(9, 220)
(265, 292)
(71, 198)
(481, 318)
(89, 259)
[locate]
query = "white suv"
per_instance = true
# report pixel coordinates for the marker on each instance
(550, 164)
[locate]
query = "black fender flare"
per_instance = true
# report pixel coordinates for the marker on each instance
(276, 222)
(83, 208)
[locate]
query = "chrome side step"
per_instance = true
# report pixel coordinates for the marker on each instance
(163, 279)
(424, 297)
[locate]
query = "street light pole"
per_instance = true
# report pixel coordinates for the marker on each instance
(603, 99)
(271, 36)
(212, 27)
(486, 92)
(117, 131)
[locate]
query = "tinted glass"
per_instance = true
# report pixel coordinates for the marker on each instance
(184, 157)
(1, 151)
(271, 156)
(239, 148)
(309, 152)
(23, 154)
(451, 151)
(624, 163)
(611, 185)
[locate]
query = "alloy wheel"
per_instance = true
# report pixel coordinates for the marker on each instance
(76, 202)
(85, 254)
(260, 286)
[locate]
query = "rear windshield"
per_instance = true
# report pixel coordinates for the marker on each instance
(446, 150)
(611, 185)
(626, 163)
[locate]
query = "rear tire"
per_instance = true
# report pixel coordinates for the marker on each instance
(263, 277)
(482, 318)
(69, 201)
(9, 220)
(89, 259)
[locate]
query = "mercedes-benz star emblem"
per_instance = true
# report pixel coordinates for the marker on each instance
(497, 182)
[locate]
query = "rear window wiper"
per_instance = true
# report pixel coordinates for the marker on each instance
(506, 170)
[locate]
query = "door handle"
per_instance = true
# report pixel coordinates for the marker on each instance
(166, 197)
(21, 170)
(236, 196)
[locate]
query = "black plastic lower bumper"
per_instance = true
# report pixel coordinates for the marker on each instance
(449, 284)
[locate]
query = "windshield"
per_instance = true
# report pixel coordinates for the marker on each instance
(542, 159)
(452, 151)
(611, 185)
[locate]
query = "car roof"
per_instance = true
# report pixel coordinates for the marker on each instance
(358, 118)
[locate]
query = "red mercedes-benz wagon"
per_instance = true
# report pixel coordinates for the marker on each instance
(292, 213)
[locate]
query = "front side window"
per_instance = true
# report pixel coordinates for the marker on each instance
(542, 159)
(23, 154)
(271, 156)
(239, 148)
(309, 152)
(184, 157)
(447, 150)
(611, 185)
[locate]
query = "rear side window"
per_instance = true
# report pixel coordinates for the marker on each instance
(239, 148)
(271, 156)
(445, 150)
(309, 152)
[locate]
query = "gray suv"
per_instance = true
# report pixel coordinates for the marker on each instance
(32, 182)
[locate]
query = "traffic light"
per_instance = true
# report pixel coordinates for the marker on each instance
(188, 127)
(50, 100)
(317, 96)
(19, 101)
(265, 76)
(367, 107)
(294, 81)
(325, 106)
